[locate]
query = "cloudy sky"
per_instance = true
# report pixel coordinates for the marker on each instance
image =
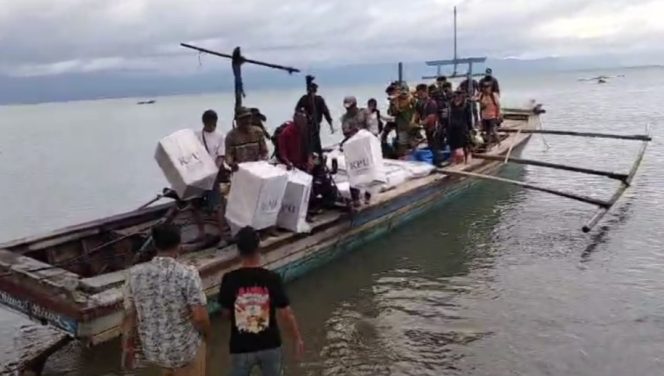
(45, 37)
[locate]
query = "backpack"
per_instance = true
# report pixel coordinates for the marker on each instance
(275, 138)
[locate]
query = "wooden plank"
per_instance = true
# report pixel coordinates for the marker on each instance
(586, 199)
(637, 137)
(619, 192)
(590, 171)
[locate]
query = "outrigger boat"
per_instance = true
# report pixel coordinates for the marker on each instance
(72, 278)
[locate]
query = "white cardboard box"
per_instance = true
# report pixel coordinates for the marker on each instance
(257, 191)
(294, 206)
(186, 164)
(364, 159)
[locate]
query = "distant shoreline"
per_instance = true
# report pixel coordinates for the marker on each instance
(222, 82)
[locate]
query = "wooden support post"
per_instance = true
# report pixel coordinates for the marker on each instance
(586, 199)
(608, 174)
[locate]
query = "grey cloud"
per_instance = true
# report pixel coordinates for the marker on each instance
(80, 35)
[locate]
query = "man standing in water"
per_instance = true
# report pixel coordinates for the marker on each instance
(212, 201)
(165, 311)
(252, 297)
(316, 109)
(246, 143)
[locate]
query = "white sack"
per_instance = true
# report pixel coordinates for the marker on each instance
(395, 176)
(364, 159)
(257, 190)
(416, 168)
(294, 206)
(186, 164)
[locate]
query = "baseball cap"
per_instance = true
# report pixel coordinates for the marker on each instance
(350, 101)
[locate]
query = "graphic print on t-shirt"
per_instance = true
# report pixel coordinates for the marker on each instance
(252, 309)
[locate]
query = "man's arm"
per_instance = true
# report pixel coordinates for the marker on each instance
(197, 304)
(230, 158)
(282, 303)
(287, 316)
(262, 148)
(283, 147)
(201, 320)
(326, 113)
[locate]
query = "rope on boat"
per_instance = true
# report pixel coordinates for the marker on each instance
(540, 126)
(509, 151)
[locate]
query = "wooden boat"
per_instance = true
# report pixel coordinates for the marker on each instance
(72, 278)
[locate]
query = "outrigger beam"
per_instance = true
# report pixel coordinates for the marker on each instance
(244, 60)
(236, 63)
(623, 187)
(608, 174)
(456, 75)
(586, 199)
(638, 137)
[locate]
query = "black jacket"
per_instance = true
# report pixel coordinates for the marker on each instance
(321, 108)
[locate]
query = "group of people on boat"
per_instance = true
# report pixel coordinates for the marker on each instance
(437, 115)
(174, 338)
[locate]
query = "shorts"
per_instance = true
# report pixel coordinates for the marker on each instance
(268, 361)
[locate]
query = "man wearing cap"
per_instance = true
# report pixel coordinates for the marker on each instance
(402, 108)
(316, 109)
(354, 119)
(489, 78)
(212, 200)
(245, 143)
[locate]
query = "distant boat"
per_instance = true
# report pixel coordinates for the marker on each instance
(151, 101)
(601, 79)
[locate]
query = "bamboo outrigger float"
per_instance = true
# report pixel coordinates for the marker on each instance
(604, 206)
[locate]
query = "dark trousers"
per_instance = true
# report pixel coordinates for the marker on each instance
(314, 139)
(489, 127)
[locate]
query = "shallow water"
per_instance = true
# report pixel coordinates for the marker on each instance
(499, 282)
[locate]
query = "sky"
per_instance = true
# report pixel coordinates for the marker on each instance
(51, 37)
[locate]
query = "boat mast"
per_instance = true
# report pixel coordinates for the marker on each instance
(455, 43)
(455, 61)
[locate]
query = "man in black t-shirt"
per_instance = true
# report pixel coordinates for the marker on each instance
(252, 297)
